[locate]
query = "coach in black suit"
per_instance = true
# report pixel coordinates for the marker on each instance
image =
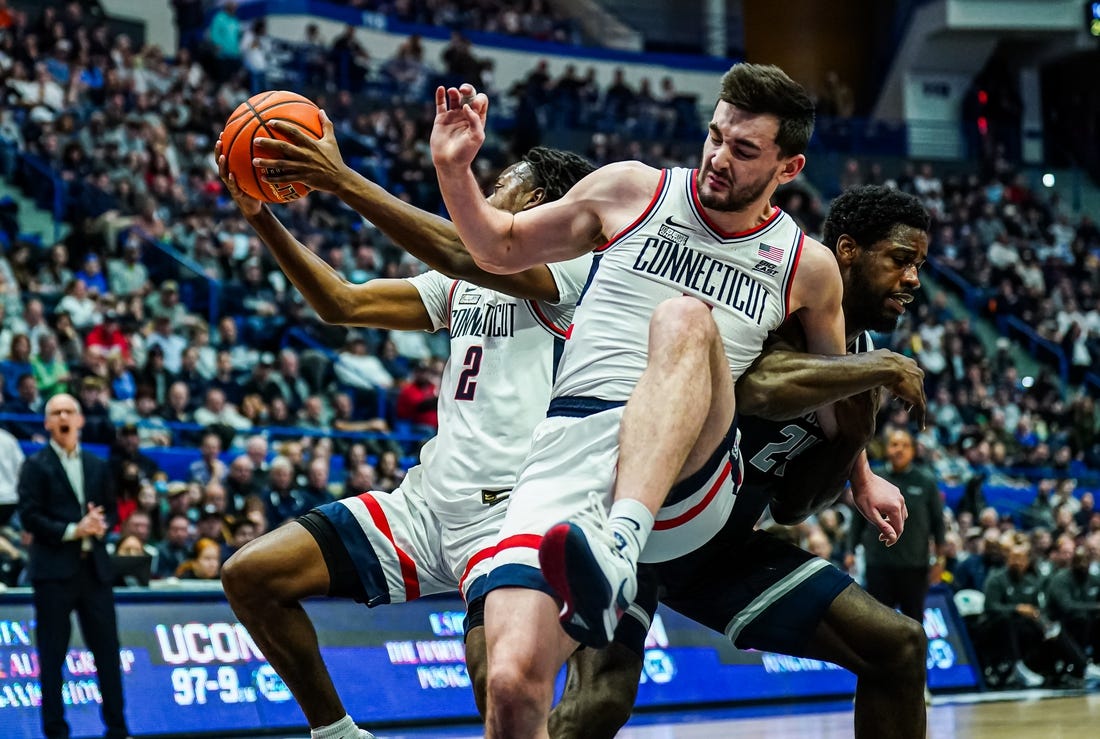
(67, 501)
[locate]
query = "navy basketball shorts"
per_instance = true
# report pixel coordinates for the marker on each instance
(762, 592)
(390, 547)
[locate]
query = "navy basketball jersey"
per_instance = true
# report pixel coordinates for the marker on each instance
(770, 447)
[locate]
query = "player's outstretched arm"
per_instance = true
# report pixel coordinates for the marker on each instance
(318, 164)
(502, 242)
(785, 383)
(393, 304)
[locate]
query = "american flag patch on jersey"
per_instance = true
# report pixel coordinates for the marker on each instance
(773, 253)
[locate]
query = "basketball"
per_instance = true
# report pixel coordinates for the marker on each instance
(249, 121)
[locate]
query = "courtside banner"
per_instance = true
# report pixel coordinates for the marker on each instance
(190, 667)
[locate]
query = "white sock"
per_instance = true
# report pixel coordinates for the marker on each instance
(632, 522)
(345, 728)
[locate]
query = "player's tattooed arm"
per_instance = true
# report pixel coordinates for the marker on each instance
(786, 383)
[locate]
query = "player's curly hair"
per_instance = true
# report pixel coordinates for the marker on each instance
(555, 171)
(870, 212)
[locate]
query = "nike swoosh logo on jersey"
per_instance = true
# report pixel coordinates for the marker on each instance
(684, 226)
(492, 497)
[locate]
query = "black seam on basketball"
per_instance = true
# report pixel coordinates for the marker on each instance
(263, 123)
(273, 106)
(245, 112)
(307, 129)
(252, 148)
(266, 95)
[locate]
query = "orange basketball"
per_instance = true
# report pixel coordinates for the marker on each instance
(249, 121)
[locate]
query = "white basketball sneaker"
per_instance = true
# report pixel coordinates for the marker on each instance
(583, 561)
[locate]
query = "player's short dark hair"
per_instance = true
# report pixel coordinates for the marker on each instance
(766, 89)
(555, 171)
(869, 214)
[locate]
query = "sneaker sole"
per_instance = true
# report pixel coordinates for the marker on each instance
(565, 545)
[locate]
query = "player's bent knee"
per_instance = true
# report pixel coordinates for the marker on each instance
(902, 657)
(511, 690)
(687, 320)
(281, 567)
(911, 649)
(240, 576)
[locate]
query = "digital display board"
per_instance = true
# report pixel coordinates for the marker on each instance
(190, 666)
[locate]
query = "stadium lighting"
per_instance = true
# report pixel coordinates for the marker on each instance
(1048, 180)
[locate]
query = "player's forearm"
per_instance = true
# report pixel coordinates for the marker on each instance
(486, 231)
(787, 384)
(322, 286)
(428, 237)
(861, 473)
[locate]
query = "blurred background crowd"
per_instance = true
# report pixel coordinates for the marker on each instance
(227, 407)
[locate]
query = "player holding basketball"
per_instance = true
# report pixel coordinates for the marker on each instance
(436, 532)
(695, 268)
(762, 592)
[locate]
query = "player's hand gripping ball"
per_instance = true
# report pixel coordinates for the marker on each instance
(250, 121)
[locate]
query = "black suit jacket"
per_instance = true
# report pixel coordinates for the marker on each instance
(48, 504)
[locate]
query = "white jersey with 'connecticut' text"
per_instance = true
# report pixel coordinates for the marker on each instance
(674, 249)
(495, 386)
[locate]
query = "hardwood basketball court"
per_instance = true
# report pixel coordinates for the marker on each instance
(1021, 715)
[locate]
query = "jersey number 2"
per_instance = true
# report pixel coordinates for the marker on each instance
(466, 382)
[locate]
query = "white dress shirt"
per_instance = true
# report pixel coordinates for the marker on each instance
(74, 470)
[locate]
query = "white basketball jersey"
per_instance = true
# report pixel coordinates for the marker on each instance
(674, 249)
(495, 386)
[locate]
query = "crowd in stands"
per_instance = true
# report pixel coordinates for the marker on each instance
(167, 319)
(535, 19)
(222, 504)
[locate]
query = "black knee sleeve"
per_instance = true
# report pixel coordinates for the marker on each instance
(475, 616)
